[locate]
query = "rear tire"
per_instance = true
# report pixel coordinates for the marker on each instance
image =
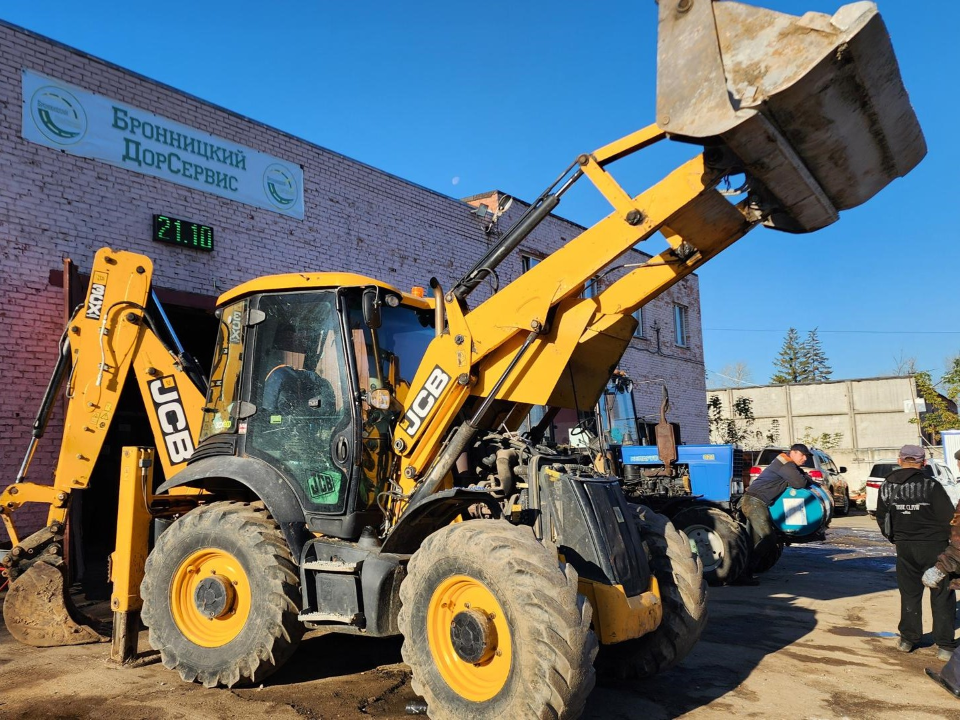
(719, 541)
(230, 560)
(536, 647)
(683, 592)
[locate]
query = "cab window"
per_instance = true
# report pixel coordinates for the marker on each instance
(300, 388)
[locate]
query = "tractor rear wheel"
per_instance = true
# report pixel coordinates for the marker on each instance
(493, 626)
(683, 592)
(718, 539)
(221, 595)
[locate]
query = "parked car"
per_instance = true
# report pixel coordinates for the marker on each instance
(934, 468)
(820, 467)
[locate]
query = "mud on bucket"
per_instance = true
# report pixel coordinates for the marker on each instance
(813, 107)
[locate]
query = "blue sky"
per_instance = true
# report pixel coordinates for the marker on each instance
(463, 98)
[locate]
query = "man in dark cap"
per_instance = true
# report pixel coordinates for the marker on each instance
(914, 513)
(763, 492)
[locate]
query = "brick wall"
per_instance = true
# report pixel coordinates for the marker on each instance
(357, 218)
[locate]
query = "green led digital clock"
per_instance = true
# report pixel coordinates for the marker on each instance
(182, 232)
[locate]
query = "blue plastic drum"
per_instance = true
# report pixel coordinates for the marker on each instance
(802, 513)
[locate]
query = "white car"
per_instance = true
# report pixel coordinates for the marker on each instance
(934, 468)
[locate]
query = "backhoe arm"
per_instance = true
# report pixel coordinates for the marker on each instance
(119, 327)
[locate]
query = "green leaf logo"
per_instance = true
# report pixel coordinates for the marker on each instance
(280, 186)
(58, 115)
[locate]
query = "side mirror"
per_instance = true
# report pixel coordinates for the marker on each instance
(371, 308)
(843, 469)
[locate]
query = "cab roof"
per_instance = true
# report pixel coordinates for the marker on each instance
(293, 282)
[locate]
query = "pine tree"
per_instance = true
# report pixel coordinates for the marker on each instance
(791, 362)
(815, 359)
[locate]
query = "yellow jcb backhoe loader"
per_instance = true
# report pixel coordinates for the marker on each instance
(360, 463)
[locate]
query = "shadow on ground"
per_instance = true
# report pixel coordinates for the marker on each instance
(748, 623)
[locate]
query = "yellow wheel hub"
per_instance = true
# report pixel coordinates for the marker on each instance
(469, 638)
(210, 597)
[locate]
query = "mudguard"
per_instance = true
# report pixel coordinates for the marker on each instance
(220, 472)
(432, 513)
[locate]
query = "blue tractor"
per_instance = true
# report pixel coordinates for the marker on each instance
(699, 488)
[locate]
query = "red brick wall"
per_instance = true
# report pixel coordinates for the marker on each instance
(357, 218)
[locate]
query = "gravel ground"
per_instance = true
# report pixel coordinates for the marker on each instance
(814, 640)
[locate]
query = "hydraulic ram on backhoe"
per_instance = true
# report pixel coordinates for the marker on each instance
(120, 326)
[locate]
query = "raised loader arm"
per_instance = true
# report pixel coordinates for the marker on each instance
(816, 130)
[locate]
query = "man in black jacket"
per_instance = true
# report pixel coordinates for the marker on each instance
(914, 513)
(763, 492)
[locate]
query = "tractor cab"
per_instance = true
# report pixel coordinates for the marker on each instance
(310, 380)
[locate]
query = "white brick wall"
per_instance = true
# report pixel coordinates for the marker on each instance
(357, 218)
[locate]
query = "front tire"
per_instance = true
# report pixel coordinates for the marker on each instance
(221, 595)
(493, 626)
(718, 539)
(683, 592)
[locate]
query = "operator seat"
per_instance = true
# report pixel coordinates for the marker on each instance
(288, 391)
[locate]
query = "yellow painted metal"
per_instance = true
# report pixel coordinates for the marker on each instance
(210, 563)
(475, 682)
(609, 187)
(227, 371)
(616, 617)
(496, 328)
(173, 403)
(708, 226)
(545, 364)
(292, 282)
(451, 360)
(108, 337)
(11, 529)
(102, 339)
(592, 362)
(133, 528)
(563, 273)
(628, 144)
(16, 495)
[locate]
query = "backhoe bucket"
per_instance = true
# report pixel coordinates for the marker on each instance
(813, 107)
(38, 610)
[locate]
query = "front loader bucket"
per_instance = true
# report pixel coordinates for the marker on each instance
(813, 107)
(38, 610)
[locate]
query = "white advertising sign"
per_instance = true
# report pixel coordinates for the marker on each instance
(78, 122)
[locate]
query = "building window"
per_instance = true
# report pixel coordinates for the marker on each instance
(639, 316)
(529, 261)
(680, 324)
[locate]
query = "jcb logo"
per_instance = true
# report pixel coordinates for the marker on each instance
(95, 301)
(172, 418)
(424, 401)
